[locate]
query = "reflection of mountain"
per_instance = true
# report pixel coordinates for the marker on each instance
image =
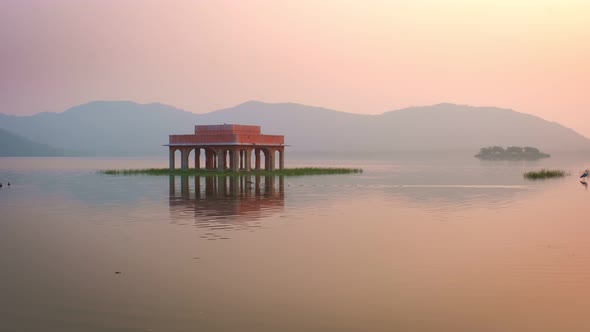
(225, 202)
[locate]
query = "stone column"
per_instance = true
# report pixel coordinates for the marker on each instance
(234, 159)
(197, 158)
(233, 162)
(208, 159)
(248, 165)
(282, 158)
(220, 160)
(184, 158)
(271, 160)
(257, 156)
(171, 161)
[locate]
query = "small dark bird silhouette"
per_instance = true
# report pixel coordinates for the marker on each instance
(0, 184)
(8, 184)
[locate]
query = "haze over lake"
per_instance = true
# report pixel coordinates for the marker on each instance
(468, 120)
(418, 242)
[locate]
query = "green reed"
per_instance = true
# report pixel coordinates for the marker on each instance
(544, 174)
(202, 172)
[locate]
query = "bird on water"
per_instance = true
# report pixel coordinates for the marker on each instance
(585, 174)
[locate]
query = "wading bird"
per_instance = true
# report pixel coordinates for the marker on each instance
(585, 174)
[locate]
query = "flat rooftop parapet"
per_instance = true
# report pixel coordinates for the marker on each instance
(227, 129)
(226, 134)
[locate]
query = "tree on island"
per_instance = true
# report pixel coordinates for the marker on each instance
(510, 153)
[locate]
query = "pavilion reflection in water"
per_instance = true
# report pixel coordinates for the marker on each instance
(225, 203)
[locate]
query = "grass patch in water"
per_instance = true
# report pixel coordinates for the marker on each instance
(544, 174)
(202, 172)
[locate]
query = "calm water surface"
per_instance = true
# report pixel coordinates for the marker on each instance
(415, 243)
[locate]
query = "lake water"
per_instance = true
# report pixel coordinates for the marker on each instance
(414, 243)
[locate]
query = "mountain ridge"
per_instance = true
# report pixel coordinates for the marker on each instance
(126, 128)
(13, 145)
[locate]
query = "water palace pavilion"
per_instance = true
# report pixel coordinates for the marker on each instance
(228, 146)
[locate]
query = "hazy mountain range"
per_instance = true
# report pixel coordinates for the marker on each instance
(12, 145)
(123, 128)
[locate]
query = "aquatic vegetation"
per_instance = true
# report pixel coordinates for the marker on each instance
(510, 153)
(202, 172)
(544, 174)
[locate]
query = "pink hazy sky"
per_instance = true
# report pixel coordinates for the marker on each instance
(355, 56)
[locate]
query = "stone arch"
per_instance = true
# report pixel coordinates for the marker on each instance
(210, 158)
(242, 157)
(221, 156)
(268, 162)
(177, 158)
(247, 157)
(172, 157)
(198, 157)
(192, 163)
(257, 154)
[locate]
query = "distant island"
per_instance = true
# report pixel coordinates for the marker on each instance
(511, 153)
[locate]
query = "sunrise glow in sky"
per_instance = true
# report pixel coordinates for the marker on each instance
(355, 56)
